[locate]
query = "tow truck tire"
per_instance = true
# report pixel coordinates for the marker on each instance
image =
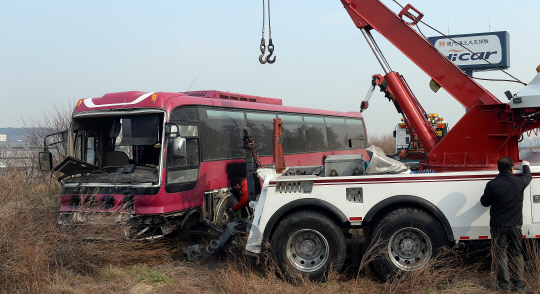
(406, 239)
(308, 243)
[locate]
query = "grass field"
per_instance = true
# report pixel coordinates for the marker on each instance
(38, 256)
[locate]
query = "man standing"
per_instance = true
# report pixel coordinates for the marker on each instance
(505, 196)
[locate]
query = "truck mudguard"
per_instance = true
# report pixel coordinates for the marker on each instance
(299, 203)
(406, 199)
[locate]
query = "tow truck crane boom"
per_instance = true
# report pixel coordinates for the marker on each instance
(489, 130)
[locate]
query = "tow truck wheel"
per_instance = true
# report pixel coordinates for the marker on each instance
(407, 239)
(308, 243)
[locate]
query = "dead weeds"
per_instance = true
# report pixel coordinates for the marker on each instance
(38, 256)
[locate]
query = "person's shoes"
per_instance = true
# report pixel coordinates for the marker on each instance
(521, 289)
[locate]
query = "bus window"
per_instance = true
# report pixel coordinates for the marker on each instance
(188, 131)
(294, 137)
(182, 176)
(184, 114)
(182, 170)
(356, 132)
(316, 134)
(91, 150)
(337, 133)
(192, 155)
(222, 134)
(263, 131)
(78, 147)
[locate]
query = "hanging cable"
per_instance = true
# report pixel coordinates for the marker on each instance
(262, 60)
(270, 44)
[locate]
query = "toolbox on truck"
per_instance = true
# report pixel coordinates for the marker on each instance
(344, 165)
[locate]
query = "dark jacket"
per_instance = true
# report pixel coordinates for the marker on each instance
(505, 196)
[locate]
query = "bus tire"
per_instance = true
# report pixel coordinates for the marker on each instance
(308, 243)
(222, 217)
(406, 239)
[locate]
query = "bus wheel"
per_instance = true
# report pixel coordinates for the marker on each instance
(222, 217)
(407, 239)
(308, 243)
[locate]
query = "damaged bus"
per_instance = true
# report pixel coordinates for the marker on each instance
(162, 162)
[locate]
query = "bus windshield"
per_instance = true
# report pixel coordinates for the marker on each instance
(127, 146)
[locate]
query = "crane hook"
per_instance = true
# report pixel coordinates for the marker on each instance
(271, 50)
(263, 50)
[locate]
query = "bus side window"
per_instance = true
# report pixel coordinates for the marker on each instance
(356, 133)
(337, 133)
(294, 136)
(317, 139)
(263, 131)
(184, 170)
(185, 114)
(192, 148)
(222, 133)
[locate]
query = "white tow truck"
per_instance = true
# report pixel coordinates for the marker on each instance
(306, 214)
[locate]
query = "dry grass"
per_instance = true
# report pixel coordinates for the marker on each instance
(386, 141)
(35, 251)
(532, 265)
(38, 256)
(448, 273)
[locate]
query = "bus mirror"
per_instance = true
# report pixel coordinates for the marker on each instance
(55, 138)
(172, 130)
(45, 161)
(179, 148)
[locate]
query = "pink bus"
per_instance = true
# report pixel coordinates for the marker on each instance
(122, 160)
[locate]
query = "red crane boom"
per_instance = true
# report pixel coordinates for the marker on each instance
(489, 130)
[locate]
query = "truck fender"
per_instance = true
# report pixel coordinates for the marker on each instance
(406, 199)
(298, 203)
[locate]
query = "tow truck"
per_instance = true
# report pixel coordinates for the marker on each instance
(407, 217)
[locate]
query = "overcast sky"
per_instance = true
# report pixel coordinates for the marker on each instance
(56, 52)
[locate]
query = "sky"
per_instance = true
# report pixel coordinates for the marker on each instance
(56, 52)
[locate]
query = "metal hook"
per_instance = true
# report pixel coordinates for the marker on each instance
(263, 50)
(271, 50)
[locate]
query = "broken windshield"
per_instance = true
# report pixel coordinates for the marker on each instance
(125, 148)
(136, 130)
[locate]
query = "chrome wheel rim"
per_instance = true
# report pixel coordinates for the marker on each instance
(409, 249)
(307, 250)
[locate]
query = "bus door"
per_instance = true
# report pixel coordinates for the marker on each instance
(182, 173)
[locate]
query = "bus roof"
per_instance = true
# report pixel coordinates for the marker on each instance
(169, 100)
